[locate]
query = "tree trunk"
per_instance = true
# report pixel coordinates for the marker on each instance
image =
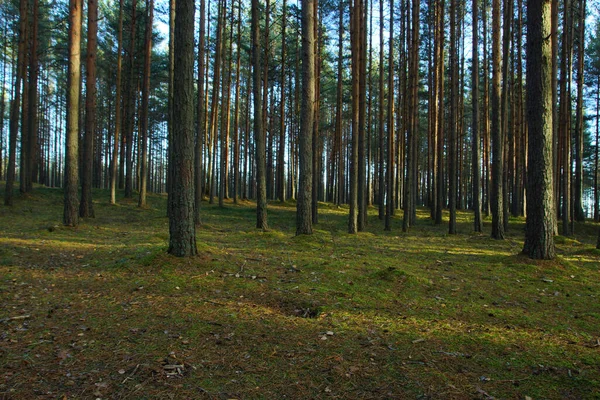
(236, 122)
(16, 105)
(476, 155)
(129, 106)
(497, 137)
(259, 132)
(145, 100)
(362, 101)
(201, 126)
(118, 118)
(182, 228)
(86, 209)
(389, 209)
(71, 202)
(539, 231)
(281, 151)
(439, 179)
(579, 127)
(304, 204)
(452, 121)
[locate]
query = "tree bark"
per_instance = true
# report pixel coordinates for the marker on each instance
(476, 153)
(182, 227)
(144, 132)
(497, 136)
(201, 126)
(86, 208)
(389, 209)
(16, 105)
(539, 231)
(118, 118)
(579, 126)
(71, 202)
(307, 113)
(259, 133)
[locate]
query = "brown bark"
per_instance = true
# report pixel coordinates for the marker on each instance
(86, 208)
(259, 132)
(539, 231)
(144, 132)
(182, 228)
(118, 118)
(71, 201)
(307, 114)
(16, 105)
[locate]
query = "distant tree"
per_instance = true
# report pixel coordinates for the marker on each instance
(182, 227)
(307, 113)
(539, 231)
(70, 216)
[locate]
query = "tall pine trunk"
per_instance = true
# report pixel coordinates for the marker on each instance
(144, 131)
(71, 201)
(307, 114)
(182, 227)
(86, 208)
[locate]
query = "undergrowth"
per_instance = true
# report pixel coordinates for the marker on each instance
(101, 311)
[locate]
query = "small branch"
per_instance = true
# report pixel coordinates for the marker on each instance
(18, 317)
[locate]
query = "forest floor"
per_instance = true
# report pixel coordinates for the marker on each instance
(101, 311)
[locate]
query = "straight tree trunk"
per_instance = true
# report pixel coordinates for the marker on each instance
(579, 127)
(71, 202)
(497, 137)
(506, 133)
(182, 227)
(539, 230)
(389, 210)
(355, 11)
(259, 132)
(281, 151)
(144, 132)
(16, 105)
(475, 145)
(440, 114)
(201, 126)
(86, 208)
(225, 118)
(307, 113)
(564, 119)
(118, 118)
(129, 106)
(32, 121)
(452, 121)
(381, 147)
(362, 90)
(339, 158)
(236, 122)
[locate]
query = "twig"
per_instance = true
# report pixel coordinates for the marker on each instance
(18, 317)
(130, 375)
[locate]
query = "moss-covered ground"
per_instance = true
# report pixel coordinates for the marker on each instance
(101, 311)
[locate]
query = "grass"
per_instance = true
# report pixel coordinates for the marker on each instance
(264, 315)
